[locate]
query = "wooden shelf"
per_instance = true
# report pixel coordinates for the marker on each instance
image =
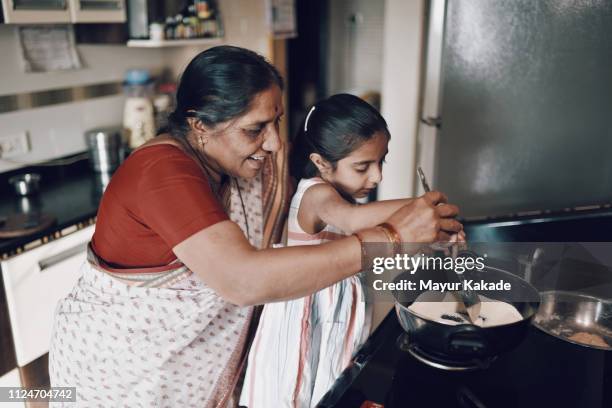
(174, 43)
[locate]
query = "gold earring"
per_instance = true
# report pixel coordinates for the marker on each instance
(202, 142)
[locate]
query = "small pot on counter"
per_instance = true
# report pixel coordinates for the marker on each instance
(26, 184)
(106, 148)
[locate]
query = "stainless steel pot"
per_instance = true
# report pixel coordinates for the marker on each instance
(105, 148)
(26, 184)
(577, 318)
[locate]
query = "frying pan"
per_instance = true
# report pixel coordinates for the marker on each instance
(466, 342)
(575, 317)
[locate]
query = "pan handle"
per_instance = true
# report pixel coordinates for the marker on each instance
(466, 338)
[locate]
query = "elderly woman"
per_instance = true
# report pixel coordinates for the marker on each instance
(160, 314)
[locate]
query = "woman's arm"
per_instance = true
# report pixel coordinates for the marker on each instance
(222, 257)
(243, 275)
(323, 202)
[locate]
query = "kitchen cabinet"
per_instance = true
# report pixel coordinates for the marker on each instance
(34, 282)
(63, 11)
(97, 11)
(11, 379)
(35, 11)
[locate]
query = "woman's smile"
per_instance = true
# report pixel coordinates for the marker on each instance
(256, 161)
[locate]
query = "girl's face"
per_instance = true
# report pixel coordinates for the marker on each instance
(360, 172)
(238, 147)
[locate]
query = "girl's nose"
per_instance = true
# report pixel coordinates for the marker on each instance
(376, 175)
(272, 141)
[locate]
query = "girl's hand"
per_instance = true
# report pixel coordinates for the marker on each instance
(458, 238)
(427, 219)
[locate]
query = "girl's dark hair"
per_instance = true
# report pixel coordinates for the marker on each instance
(336, 127)
(218, 85)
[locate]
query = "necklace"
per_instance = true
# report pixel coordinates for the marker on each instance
(244, 214)
(217, 188)
(214, 185)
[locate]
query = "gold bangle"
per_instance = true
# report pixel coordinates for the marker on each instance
(397, 238)
(387, 234)
(361, 242)
(392, 235)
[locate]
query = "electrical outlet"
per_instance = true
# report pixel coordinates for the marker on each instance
(14, 145)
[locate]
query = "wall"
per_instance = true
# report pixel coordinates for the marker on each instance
(383, 52)
(355, 48)
(58, 130)
(403, 39)
(401, 77)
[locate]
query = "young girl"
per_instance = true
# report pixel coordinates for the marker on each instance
(301, 346)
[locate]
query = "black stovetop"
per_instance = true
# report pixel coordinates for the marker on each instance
(71, 193)
(542, 372)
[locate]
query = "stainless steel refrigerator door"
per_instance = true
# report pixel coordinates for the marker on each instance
(526, 105)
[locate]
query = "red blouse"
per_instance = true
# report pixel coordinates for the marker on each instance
(156, 199)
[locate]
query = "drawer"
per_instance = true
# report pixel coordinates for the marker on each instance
(11, 379)
(34, 282)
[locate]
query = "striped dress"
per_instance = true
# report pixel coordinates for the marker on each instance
(301, 346)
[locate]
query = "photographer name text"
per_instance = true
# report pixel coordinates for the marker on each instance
(466, 284)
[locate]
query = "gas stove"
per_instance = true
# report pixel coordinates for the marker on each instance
(542, 372)
(442, 362)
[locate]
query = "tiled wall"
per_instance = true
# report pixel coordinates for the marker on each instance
(58, 130)
(102, 63)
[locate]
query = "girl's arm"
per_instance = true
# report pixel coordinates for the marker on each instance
(221, 256)
(323, 202)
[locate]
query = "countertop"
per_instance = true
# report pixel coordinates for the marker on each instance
(71, 193)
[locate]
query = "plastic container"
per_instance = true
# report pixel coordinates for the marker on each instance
(138, 114)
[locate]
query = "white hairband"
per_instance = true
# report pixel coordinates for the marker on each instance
(308, 117)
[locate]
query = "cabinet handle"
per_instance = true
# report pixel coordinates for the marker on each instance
(57, 258)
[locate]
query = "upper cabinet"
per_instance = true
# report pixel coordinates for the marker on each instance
(62, 11)
(35, 11)
(97, 11)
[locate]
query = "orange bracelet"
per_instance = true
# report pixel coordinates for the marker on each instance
(359, 237)
(387, 234)
(392, 235)
(397, 238)
(361, 242)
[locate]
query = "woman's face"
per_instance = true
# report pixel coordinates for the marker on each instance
(239, 146)
(361, 171)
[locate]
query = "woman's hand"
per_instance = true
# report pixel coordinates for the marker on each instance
(427, 219)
